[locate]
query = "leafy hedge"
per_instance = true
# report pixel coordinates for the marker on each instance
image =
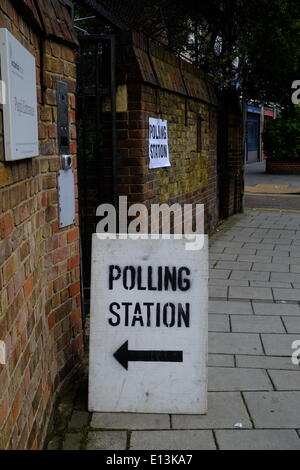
(282, 137)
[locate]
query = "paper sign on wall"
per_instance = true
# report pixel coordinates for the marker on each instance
(158, 143)
(18, 72)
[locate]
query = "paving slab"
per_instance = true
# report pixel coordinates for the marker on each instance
(285, 258)
(172, 440)
(286, 294)
(292, 324)
(250, 275)
(130, 421)
(234, 343)
(259, 246)
(219, 273)
(225, 409)
(107, 440)
(221, 360)
(231, 282)
(264, 362)
(233, 379)
(286, 379)
(241, 251)
(255, 258)
(216, 249)
(257, 324)
(271, 267)
(222, 256)
(259, 293)
(230, 307)
(276, 409)
(234, 265)
(285, 277)
(275, 309)
(220, 292)
(295, 268)
(266, 253)
(278, 344)
(293, 249)
(218, 322)
(247, 238)
(281, 243)
(226, 244)
(271, 284)
(258, 439)
(277, 241)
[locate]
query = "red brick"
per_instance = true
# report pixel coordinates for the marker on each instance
(3, 410)
(16, 406)
(60, 255)
(51, 321)
(19, 279)
(45, 113)
(9, 269)
(28, 286)
(73, 262)
(73, 235)
(6, 225)
(74, 289)
(52, 131)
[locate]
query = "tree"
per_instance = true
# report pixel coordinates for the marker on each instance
(251, 45)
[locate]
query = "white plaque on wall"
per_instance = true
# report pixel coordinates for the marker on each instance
(148, 332)
(66, 198)
(18, 72)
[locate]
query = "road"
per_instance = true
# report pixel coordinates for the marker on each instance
(263, 191)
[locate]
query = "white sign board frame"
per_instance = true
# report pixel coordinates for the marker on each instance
(154, 361)
(18, 72)
(158, 143)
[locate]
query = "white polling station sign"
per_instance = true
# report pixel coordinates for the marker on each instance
(148, 331)
(18, 72)
(158, 143)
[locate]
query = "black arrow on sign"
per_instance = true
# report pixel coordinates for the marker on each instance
(124, 355)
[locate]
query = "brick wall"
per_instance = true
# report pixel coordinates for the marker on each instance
(40, 309)
(192, 175)
(152, 82)
(282, 167)
(231, 155)
(164, 86)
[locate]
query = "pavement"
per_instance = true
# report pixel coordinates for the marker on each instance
(281, 192)
(254, 387)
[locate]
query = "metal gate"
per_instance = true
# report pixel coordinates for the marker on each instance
(96, 131)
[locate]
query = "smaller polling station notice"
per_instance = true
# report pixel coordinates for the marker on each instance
(158, 143)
